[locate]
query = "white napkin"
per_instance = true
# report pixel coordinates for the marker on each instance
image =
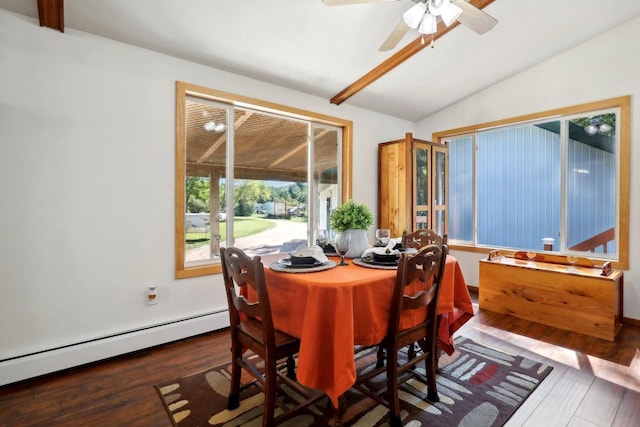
(383, 250)
(314, 251)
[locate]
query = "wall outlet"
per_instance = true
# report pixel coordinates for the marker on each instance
(151, 295)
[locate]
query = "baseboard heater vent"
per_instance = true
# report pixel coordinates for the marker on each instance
(31, 365)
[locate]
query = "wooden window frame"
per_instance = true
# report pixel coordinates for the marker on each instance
(183, 90)
(624, 104)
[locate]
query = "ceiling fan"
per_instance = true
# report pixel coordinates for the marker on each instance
(424, 16)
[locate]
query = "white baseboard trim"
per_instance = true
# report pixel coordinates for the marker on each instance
(46, 362)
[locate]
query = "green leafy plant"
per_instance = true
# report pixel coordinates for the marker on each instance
(351, 216)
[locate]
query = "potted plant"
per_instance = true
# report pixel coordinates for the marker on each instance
(354, 218)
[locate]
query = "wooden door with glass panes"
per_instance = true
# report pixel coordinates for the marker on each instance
(412, 186)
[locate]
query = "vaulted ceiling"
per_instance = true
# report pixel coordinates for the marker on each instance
(330, 52)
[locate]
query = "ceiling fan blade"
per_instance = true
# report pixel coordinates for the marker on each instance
(474, 18)
(346, 2)
(394, 38)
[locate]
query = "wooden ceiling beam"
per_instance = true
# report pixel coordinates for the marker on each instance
(51, 14)
(398, 58)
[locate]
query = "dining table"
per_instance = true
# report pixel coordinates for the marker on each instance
(336, 309)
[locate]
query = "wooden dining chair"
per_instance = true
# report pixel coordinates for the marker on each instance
(421, 238)
(251, 327)
(424, 269)
(416, 240)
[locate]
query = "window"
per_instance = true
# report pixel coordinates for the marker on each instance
(557, 181)
(244, 166)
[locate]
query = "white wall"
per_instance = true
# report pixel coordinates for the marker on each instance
(605, 67)
(87, 138)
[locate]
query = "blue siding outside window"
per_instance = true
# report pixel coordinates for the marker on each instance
(519, 188)
(461, 189)
(592, 192)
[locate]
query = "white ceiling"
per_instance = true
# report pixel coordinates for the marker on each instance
(320, 50)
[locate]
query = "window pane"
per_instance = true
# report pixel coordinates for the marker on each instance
(421, 177)
(270, 179)
(519, 186)
(422, 219)
(439, 223)
(461, 189)
(439, 191)
(325, 175)
(206, 133)
(591, 184)
(439, 178)
(421, 182)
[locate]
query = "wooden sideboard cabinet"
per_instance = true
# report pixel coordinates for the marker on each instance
(412, 185)
(565, 292)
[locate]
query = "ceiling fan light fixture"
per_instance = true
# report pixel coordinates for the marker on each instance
(413, 16)
(438, 7)
(451, 14)
(429, 24)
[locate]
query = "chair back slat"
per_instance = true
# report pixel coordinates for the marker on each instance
(421, 299)
(244, 306)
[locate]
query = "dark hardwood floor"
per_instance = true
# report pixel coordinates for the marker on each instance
(593, 383)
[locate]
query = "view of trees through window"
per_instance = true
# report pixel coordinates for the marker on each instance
(252, 199)
(250, 196)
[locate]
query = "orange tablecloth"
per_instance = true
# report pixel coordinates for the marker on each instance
(454, 303)
(333, 310)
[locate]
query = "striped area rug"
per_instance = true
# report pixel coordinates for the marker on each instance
(478, 386)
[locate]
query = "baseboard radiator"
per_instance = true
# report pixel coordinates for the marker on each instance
(48, 361)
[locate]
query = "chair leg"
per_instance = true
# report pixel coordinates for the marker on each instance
(437, 347)
(430, 366)
(269, 394)
(411, 354)
(395, 421)
(291, 368)
(430, 369)
(236, 371)
(392, 388)
(380, 361)
(432, 393)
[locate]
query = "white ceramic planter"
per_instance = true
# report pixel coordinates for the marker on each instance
(359, 242)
